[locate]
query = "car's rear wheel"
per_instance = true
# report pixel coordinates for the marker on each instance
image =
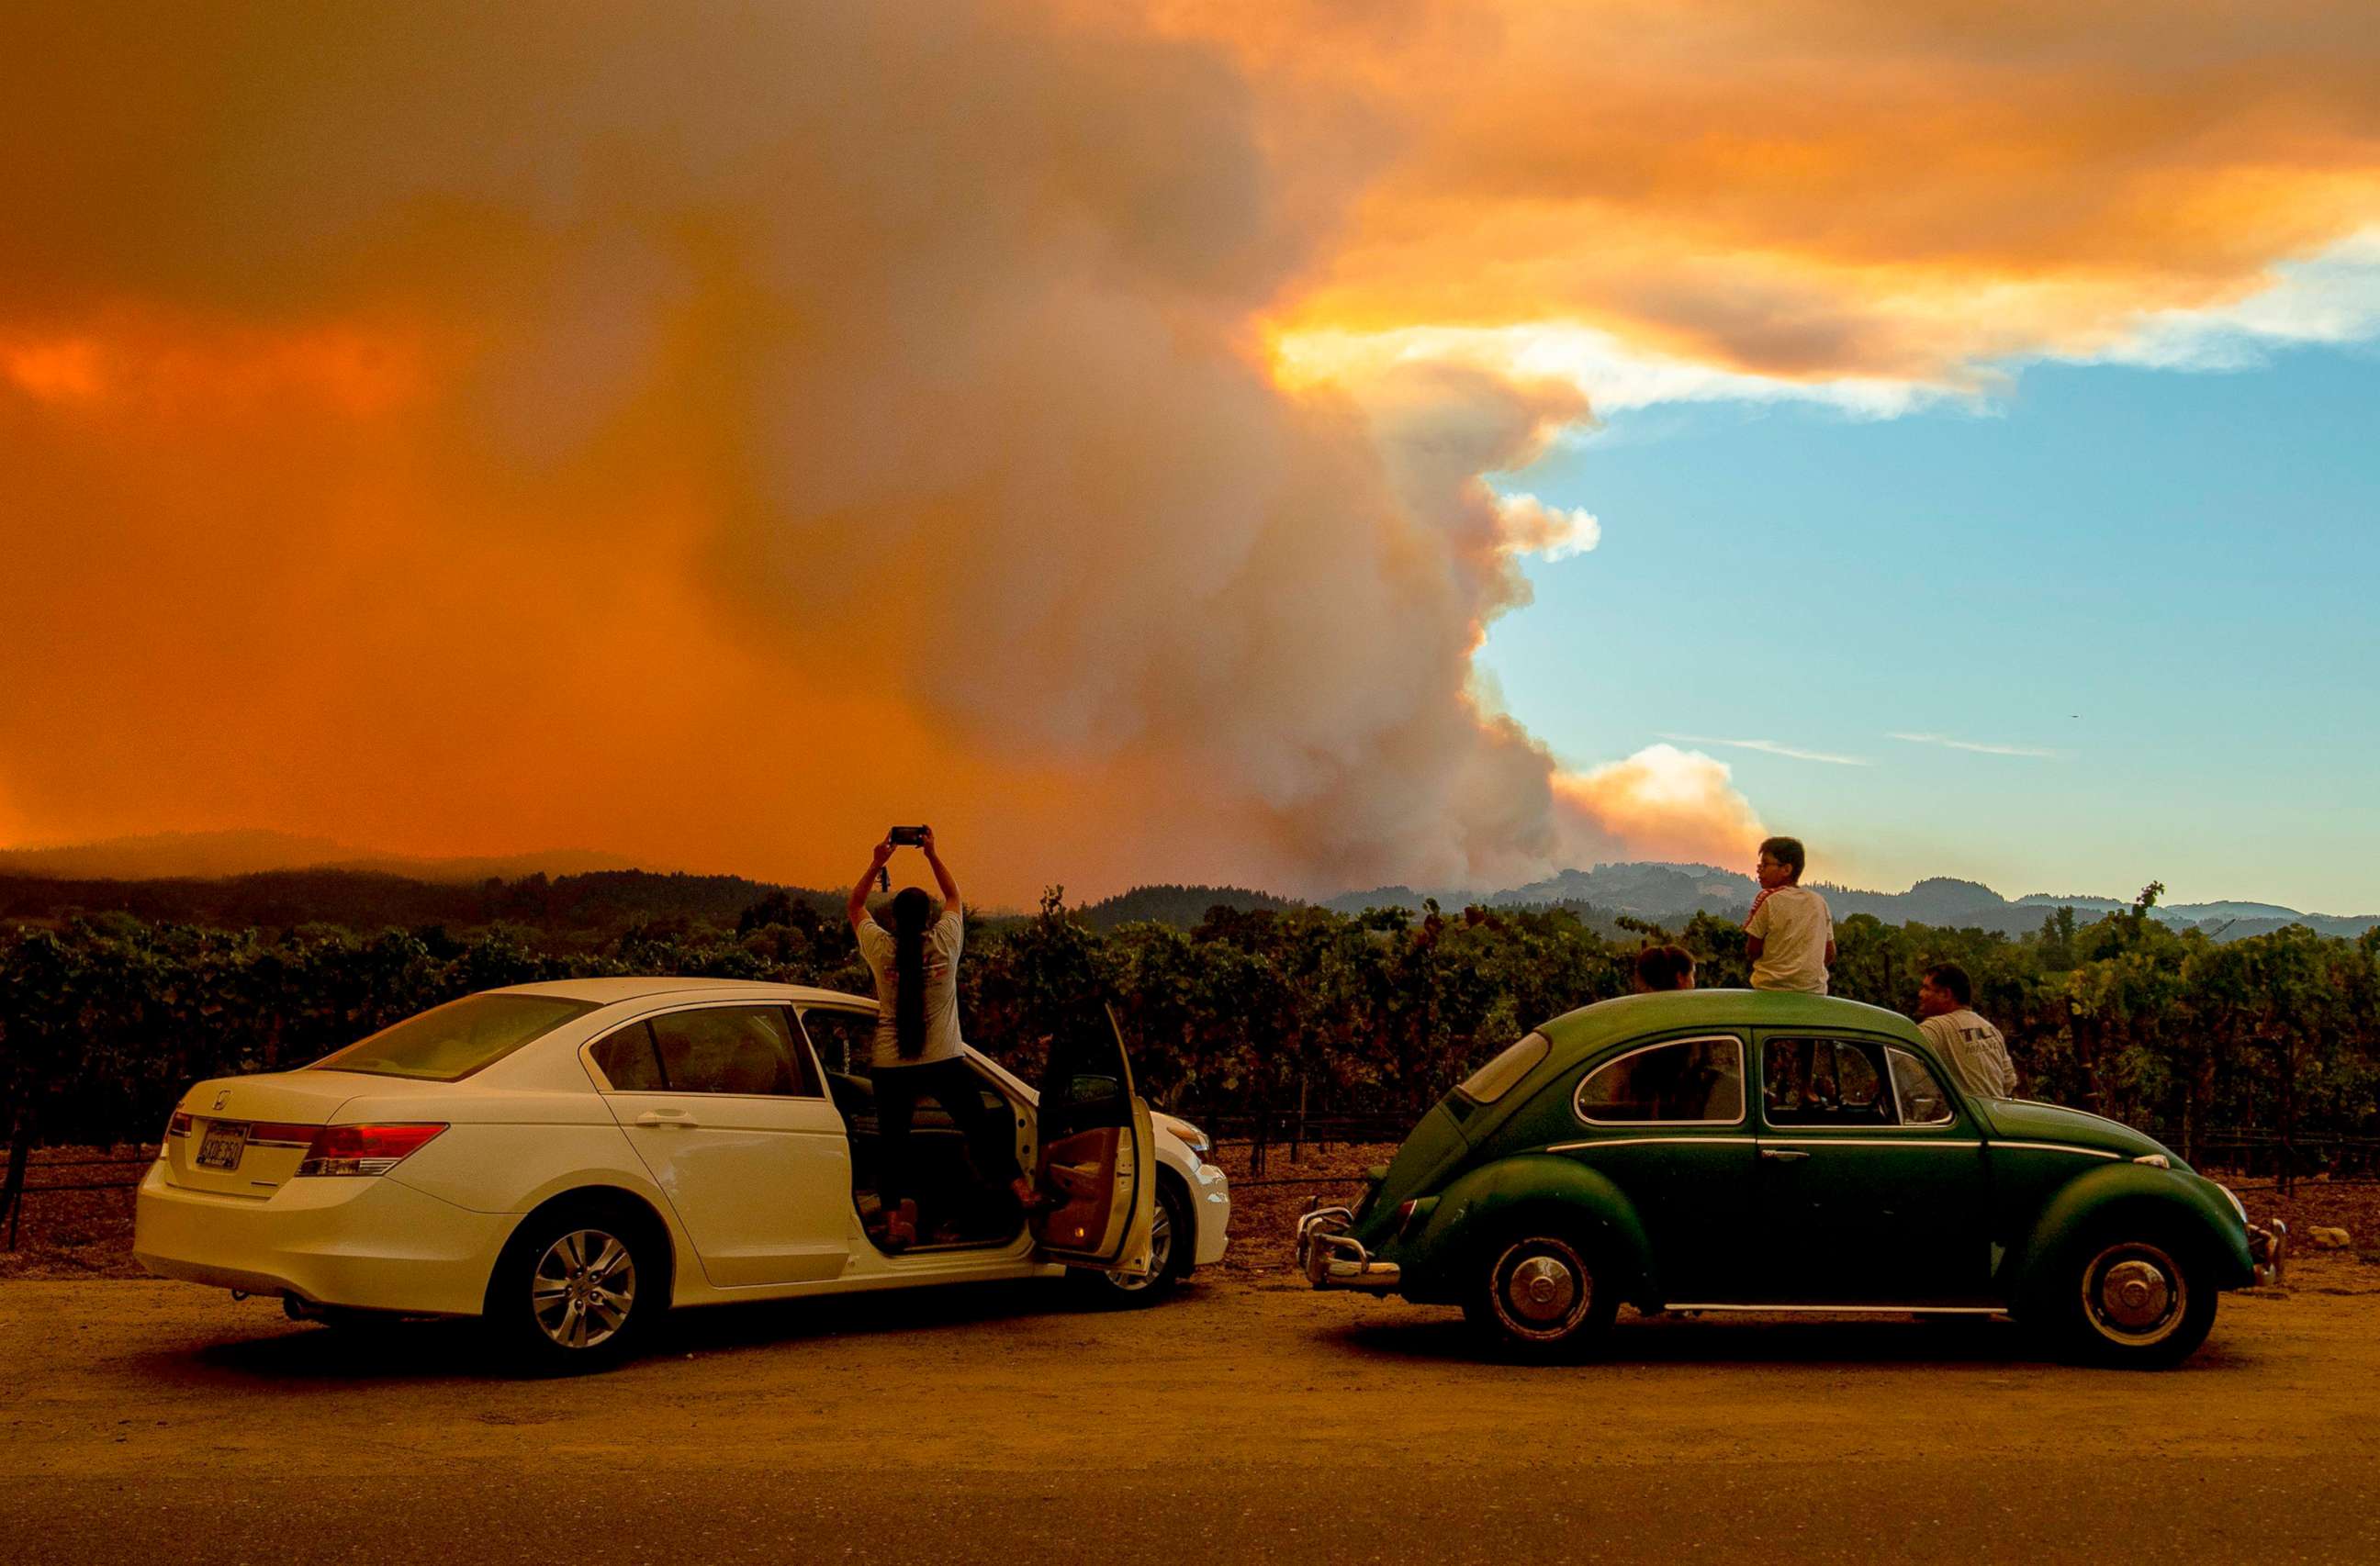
(578, 1286)
(1172, 1249)
(2132, 1298)
(1542, 1294)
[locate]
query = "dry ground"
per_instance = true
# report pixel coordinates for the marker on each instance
(1251, 1419)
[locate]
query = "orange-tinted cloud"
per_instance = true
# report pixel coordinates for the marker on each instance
(1666, 804)
(1824, 187)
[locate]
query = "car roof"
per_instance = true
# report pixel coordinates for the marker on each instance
(610, 991)
(1629, 1016)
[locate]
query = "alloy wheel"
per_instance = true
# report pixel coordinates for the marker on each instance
(583, 1287)
(1160, 1255)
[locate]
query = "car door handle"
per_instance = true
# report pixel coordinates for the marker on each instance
(1783, 1155)
(666, 1117)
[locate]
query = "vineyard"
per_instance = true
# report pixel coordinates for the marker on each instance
(2261, 1055)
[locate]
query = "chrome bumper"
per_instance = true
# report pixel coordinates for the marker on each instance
(2268, 1248)
(1332, 1258)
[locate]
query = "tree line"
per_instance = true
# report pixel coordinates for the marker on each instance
(106, 1021)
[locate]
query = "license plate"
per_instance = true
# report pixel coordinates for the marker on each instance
(223, 1143)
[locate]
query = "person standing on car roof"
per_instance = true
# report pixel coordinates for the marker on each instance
(915, 1051)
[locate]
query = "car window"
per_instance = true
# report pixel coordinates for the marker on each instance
(1922, 1099)
(743, 1049)
(1495, 1080)
(448, 1043)
(1826, 1082)
(629, 1061)
(840, 1038)
(1689, 1081)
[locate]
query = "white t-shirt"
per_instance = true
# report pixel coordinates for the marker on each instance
(1793, 927)
(878, 945)
(1975, 1051)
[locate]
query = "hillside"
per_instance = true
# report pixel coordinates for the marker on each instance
(605, 901)
(601, 903)
(1180, 906)
(216, 855)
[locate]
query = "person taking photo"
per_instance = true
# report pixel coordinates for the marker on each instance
(916, 1051)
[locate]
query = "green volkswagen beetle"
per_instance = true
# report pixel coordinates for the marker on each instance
(1735, 1149)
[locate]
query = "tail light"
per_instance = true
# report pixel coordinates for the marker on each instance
(365, 1149)
(177, 1126)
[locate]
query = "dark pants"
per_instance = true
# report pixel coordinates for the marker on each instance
(990, 1132)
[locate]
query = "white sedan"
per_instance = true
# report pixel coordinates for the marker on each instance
(570, 1159)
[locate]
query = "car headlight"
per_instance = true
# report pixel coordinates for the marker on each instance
(2233, 1197)
(1193, 1138)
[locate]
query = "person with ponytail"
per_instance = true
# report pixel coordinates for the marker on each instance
(917, 1052)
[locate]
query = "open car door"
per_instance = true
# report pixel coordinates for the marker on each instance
(1098, 1157)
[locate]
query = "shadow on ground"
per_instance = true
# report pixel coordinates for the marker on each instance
(1947, 1342)
(426, 1351)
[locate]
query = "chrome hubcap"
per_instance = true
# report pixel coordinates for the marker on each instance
(583, 1287)
(1541, 1290)
(2135, 1293)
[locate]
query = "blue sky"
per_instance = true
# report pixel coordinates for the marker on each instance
(2165, 577)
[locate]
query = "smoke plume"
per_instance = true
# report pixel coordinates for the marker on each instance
(715, 432)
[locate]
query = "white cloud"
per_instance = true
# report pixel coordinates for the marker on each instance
(1979, 746)
(1772, 747)
(1615, 377)
(2331, 297)
(1531, 526)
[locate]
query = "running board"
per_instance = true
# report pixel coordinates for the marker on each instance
(1855, 1310)
(925, 1248)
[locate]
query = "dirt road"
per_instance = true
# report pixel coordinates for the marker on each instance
(1249, 1420)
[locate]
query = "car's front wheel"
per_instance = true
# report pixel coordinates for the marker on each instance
(578, 1286)
(1541, 1294)
(2133, 1299)
(1172, 1248)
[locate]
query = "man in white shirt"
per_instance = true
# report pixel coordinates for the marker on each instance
(1972, 1046)
(1790, 934)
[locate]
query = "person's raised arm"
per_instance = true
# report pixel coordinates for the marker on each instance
(942, 874)
(857, 908)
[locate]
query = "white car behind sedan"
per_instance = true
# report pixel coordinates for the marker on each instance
(568, 1160)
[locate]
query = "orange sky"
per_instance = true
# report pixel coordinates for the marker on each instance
(713, 437)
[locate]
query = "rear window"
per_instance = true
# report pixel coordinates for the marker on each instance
(1495, 1080)
(449, 1042)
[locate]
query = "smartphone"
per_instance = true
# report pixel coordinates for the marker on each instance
(906, 837)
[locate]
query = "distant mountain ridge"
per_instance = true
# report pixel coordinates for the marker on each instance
(208, 856)
(1671, 894)
(278, 877)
